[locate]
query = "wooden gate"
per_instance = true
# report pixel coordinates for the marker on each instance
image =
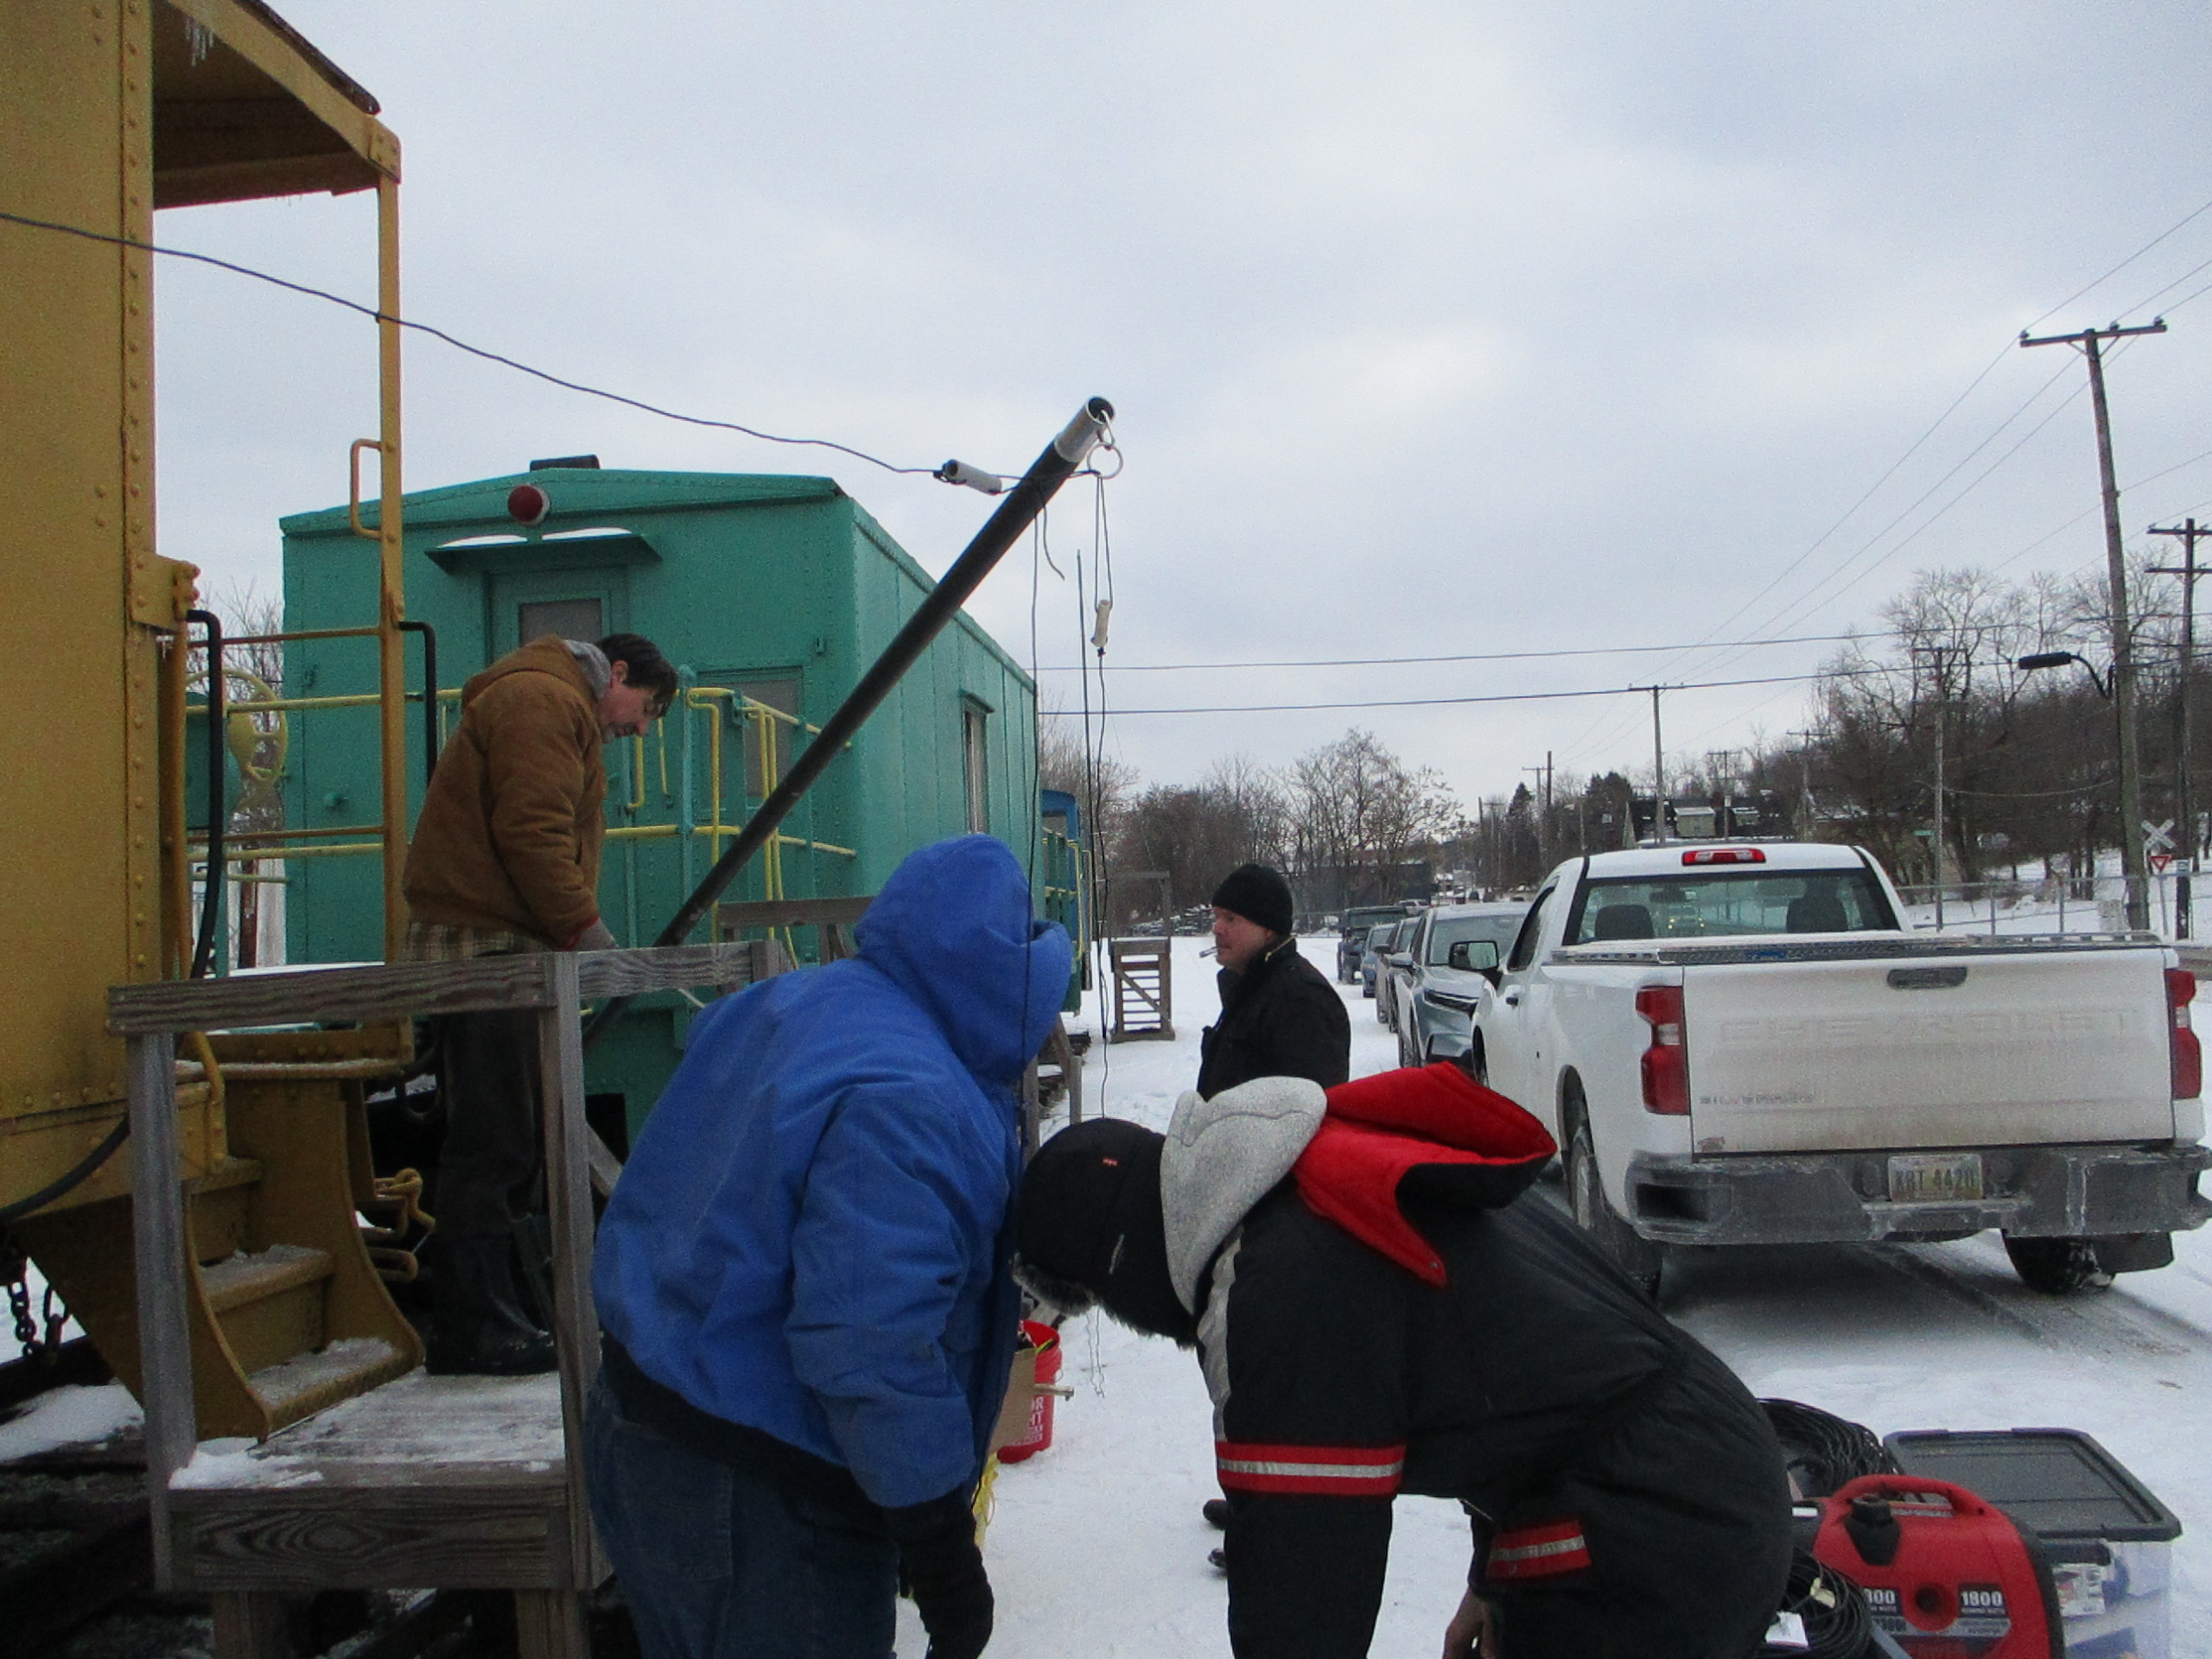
(1144, 1001)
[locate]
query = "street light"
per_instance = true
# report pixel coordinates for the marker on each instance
(2059, 659)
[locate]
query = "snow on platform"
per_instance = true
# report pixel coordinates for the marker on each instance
(1097, 1545)
(453, 1427)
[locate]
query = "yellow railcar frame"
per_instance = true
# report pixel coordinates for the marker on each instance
(109, 110)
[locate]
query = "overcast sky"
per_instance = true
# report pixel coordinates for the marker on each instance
(1433, 329)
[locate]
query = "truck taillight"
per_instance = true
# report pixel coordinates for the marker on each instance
(1666, 1062)
(2187, 1054)
(1697, 856)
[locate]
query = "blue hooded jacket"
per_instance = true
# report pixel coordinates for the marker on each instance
(812, 1237)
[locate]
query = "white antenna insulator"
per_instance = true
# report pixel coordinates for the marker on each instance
(959, 471)
(1098, 633)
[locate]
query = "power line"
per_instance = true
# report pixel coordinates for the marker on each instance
(1507, 656)
(1813, 600)
(1590, 739)
(2179, 224)
(1474, 656)
(1507, 697)
(458, 344)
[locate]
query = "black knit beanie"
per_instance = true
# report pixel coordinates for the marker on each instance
(1258, 894)
(1090, 1220)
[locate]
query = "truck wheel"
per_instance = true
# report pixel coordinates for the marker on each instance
(1643, 1260)
(2057, 1266)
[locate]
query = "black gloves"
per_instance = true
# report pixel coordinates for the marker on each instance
(943, 1569)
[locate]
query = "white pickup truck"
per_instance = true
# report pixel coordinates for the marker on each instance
(1742, 1044)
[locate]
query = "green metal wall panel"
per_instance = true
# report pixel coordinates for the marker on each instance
(739, 578)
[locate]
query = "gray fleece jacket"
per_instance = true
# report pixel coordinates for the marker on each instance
(1223, 1156)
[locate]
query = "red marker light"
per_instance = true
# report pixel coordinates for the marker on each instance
(528, 504)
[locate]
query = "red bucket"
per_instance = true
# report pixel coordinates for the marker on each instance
(1039, 1435)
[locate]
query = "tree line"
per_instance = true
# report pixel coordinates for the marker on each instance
(1351, 821)
(2030, 775)
(2029, 756)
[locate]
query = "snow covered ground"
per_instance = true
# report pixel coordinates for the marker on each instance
(1098, 1547)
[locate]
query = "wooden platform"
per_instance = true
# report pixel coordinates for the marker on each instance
(431, 1482)
(424, 1482)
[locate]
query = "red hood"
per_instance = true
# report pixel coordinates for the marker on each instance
(1378, 1129)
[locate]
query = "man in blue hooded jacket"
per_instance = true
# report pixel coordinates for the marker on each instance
(803, 1277)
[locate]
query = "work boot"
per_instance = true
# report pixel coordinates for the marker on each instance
(477, 1328)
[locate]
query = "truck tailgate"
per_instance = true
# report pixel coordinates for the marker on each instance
(1991, 1050)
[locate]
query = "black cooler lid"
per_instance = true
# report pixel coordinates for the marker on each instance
(2057, 1481)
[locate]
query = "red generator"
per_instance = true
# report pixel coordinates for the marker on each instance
(1946, 1575)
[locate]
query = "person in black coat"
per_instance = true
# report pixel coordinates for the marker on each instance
(1380, 1307)
(1280, 1015)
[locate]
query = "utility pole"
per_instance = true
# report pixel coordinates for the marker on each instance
(1939, 706)
(2132, 852)
(1805, 783)
(1543, 774)
(1942, 706)
(1658, 770)
(1721, 763)
(2184, 797)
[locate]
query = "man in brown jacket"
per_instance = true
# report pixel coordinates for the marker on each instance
(506, 859)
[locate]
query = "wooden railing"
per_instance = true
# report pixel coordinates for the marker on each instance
(151, 1016)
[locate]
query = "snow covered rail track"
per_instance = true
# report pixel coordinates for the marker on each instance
(73, 1543)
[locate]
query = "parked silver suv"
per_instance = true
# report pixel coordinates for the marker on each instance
(1454, 948)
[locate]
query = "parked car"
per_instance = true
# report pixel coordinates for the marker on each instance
(1455, 951)
(1357, 923)
(1744, 1045)
(1370, 960)
(1391, 970)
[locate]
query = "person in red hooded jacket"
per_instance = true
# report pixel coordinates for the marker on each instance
(1378, 1309)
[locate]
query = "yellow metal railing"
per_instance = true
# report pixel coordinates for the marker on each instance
(254, 846)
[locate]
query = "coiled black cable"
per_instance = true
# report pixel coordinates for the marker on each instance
(76, 1177)
(1837, 1623)
(1823, 1452)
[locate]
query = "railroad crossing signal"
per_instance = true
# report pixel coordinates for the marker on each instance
(2159, 837)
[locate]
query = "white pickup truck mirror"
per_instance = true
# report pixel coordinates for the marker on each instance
(1473, 956)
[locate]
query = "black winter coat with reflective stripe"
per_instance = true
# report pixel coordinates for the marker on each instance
(1635, 1490)
(1279, 1018)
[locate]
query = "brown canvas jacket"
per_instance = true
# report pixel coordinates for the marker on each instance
(510, 832)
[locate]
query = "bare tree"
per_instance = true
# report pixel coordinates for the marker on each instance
(257, 742)
(2028, 757)
(1360, 816)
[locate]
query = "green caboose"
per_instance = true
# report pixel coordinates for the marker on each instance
(773, 593)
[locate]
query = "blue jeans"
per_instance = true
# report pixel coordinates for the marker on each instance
(719, 1562)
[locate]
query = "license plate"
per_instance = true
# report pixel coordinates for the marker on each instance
(1934, 1177)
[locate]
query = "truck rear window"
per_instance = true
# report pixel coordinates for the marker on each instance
(1704, 905)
